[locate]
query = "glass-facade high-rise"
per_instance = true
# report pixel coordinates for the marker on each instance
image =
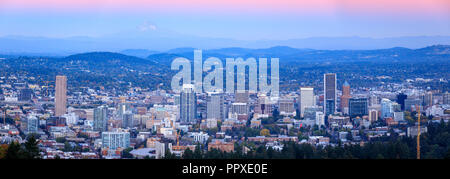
(386, 108)
(101, 119)
(358, 107)
(188, 109)
(329, 86)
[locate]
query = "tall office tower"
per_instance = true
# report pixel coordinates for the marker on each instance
(446, 98)
(127, 120)
(329, 86)
(101, 119)
(215, 106)
(306, 99)
(115, 140)
(428, 99)
(60, 95)
(401, 100)
(373, 115)
(122, 107)
(386, 108)
(358, 107)
(25, 94)
(241, 96)
(286, 106)
(188, 107)
(345, 97)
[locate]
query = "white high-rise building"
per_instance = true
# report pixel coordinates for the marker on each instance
(320, 119)
(188, 100)
(306, 99)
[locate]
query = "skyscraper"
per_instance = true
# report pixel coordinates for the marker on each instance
(127, 120)
(306, 99)
(60, 95)
(428, 99)
(329, 86)
(373, 115)
(446, 98)
(358, 107)
(215, 106)
(101, 119)
(401, 100)
(386, 108)
(345, 97)
(188, 107)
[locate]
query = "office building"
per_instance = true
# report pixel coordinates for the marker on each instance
(345, 97)
(358, 107)
(386, 108)
(286, 106)
(329, 86)
(101, 119)
(188, 107)
(306, 99)
(60, 95)
(401, 100)
(215, 106)
(115, 140)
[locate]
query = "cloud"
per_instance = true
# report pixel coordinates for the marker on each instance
(147, 26)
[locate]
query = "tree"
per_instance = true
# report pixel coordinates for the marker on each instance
(31, 150)
(3, 150)
(60, 139)
(264, 132)
(198, 154)
(126, 153)
(13, 151)
(188, 154)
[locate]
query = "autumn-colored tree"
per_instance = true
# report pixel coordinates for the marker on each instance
(264, 132)
(3, 150)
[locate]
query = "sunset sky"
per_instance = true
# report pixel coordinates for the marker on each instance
(237, 19)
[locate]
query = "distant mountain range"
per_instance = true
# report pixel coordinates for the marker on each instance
(147, 68)
(284, 53)
(141, 44)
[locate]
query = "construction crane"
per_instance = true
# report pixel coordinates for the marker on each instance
(418, 132)
(4, 116)
(178, 141)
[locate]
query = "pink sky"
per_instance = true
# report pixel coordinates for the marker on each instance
(436, 7)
